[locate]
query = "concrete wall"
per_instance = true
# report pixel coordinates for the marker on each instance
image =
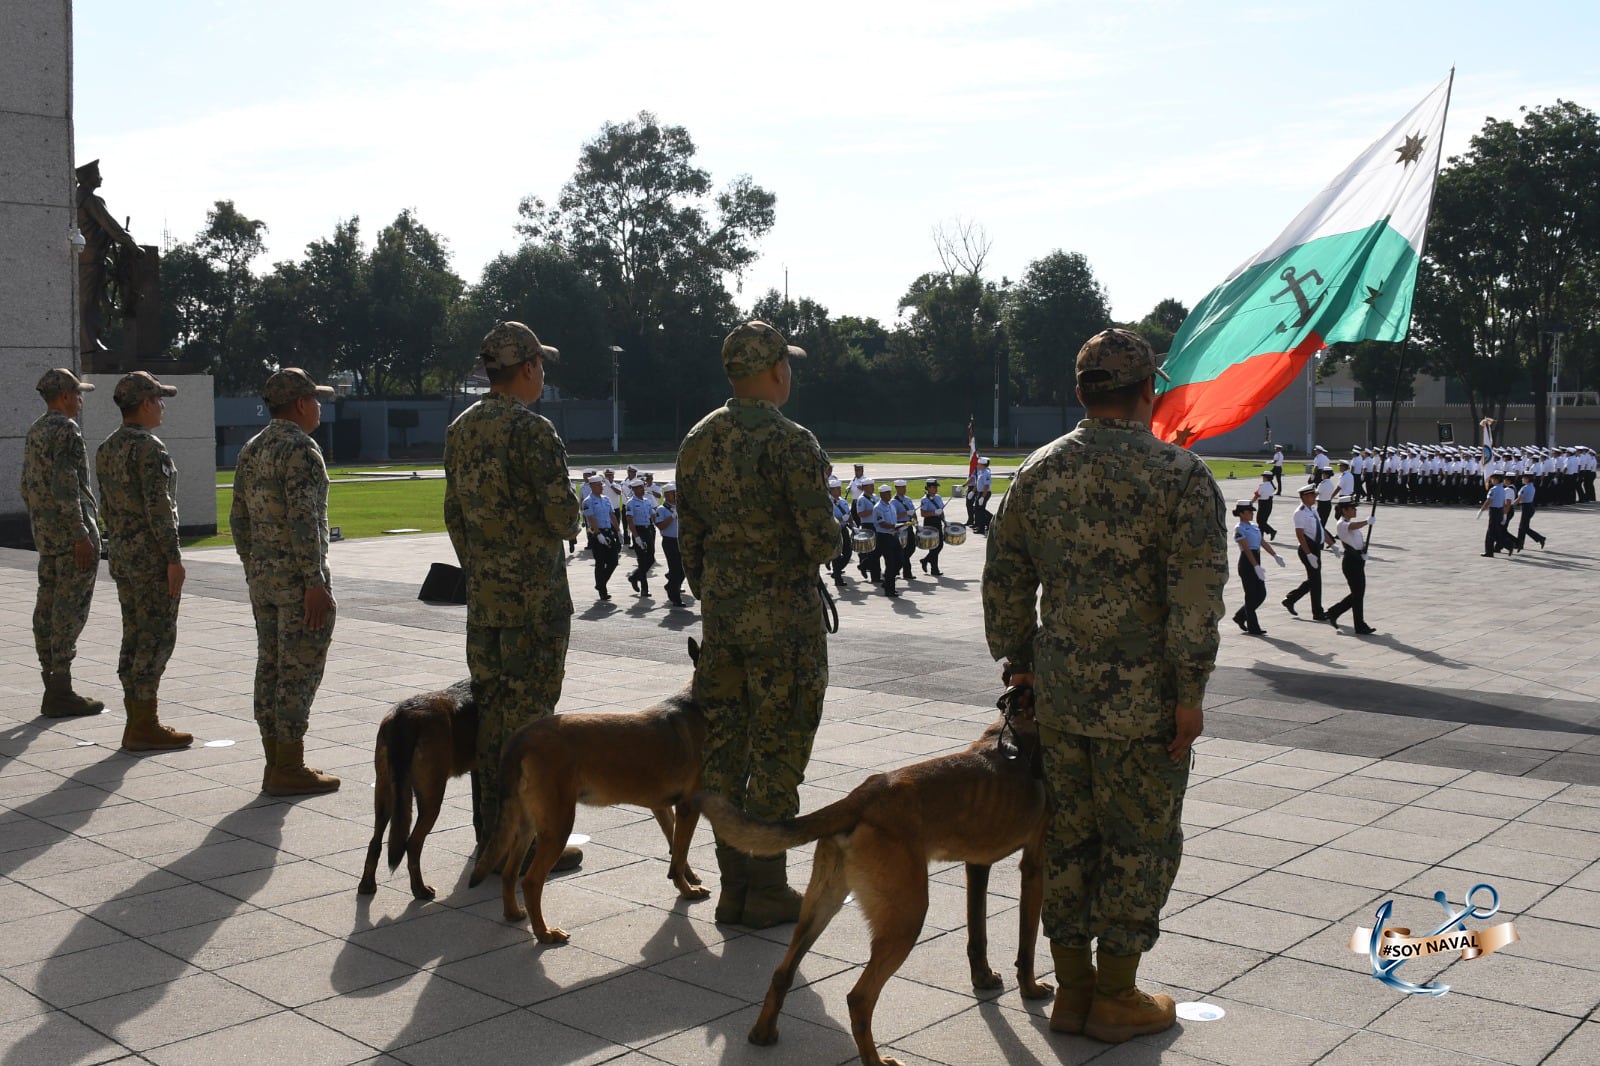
(188, 429)
(38, 268)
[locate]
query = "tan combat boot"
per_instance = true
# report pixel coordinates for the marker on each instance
(1119, 1010)
(290, 776)
(769, 901)
(144, 731)
(734, 866)
(61, 702)
(269, 748)
(1075, 977)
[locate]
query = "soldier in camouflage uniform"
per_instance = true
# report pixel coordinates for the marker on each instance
(1126, 536)
(509, 508)
(66, 532)
(138, 487)
(755, 523)
(280, 530)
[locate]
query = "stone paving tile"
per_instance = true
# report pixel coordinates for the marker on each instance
(638, 1007)
(60, 1040)
(1261, 851)
(285, 1037)
(511, 1039)
(1492, 859)
(317, 972)
(1309, 896)
(1581, 1047)
(1244, 925)
(1459, 1022)
(1364, 1049)
(1307, 989)
(162, 1014)
(407, 1011)
(722, 1042)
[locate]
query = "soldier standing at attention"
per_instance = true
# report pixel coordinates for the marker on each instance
(139, 487)
(509, 509)
(755, 524)
(1126, 535)
(66, 532)
(279, 520)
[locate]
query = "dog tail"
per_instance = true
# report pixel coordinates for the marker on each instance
(757, 837)
(402, 748)
(509, 825)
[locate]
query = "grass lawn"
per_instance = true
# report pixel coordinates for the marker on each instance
(367, 508)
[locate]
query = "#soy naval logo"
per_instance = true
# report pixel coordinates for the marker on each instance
(1390, 947)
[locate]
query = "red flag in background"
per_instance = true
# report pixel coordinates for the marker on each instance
(972, 449)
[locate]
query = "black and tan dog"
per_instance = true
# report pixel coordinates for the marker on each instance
(651, 758)
(976, 807)
(424, 742)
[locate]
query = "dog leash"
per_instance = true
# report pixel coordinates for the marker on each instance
(830, 611)
(1010, 705)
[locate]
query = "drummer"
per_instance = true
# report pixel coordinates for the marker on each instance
(841, 514)
(867, 561)
(931, 508)
(886, 523)
(908, 522)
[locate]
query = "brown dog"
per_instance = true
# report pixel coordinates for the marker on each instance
(977, 807)
(424, 742)
(651, 758)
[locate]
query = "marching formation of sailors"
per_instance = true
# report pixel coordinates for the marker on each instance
(634, 512)
(885, 528)
(1455, 474)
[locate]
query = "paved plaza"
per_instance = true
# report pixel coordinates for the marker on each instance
(159, 908)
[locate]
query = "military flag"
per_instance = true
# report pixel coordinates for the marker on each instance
(972, 449)
(1344, 270)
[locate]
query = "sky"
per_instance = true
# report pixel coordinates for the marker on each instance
(1167, 142)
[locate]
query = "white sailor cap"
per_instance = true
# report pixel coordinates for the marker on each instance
(983, 460)
(597, 480)
(1319, 448)
(635, 482)
(931, 481)
(899, 482)
(669, 487)
(833, 483)
(886, 487)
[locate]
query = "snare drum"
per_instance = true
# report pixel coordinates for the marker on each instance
(904, 533)
(955, 533)
(927, 538)
(864, 541)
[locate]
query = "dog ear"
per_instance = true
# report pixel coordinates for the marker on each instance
(694, 651)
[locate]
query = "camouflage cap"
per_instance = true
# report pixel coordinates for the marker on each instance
(510, 344)
(1114, 358)
(139, 386)
(754, 347)
(60, 380)
(289, 384)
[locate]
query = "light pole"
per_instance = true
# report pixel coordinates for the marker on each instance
(1555, 329)
(616, 352)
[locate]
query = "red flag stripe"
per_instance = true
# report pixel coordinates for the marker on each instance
(1204, 409)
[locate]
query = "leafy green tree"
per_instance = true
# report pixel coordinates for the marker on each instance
(1384, 371)
(208, 287)
(412, 289)
(1056, 306)
(547, 288)
(1161, 324)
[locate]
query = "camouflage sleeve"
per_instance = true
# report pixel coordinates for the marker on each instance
(806, 472)
(161, 511)
(67, 486)
(559, 502)
(239, 519)
(1010, 582)
(691, 529)
(1197, 568)
(305, 495)
(454, 514)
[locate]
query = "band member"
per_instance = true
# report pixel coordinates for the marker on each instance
(931, 508)
(886, 523)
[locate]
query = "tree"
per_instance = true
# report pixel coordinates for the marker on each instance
(1383, 370)
(1161, 324)
(545, 287)
(1056, 306)
(1516, 224)
(412, 289)
(642, 219)
(209, 288)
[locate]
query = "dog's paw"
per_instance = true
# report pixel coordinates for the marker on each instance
(694, 892)
(764, 1035)
(1036, 989)
(423, 891)
(516, 915)
(691, 877)
(552, 935)
(986, 981)
(367, 887)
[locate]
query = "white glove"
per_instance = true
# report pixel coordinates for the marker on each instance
(1261, 573)
(1314, 561)
(1372, 521)
(1279, 560)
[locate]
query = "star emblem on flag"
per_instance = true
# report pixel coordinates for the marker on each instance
(1411, 150)
(1373, 295)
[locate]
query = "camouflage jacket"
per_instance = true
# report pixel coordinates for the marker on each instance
(754, 523)
(139, 487)
(55, 485)
(279, 516)
(1126, 536)
(509, 507)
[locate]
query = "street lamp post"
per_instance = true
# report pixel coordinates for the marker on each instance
(616, 352)
(1555, 329)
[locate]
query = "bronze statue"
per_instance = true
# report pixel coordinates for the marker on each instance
(114, 270)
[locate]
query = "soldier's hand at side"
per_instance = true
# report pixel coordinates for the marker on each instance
(175, 576)
(84, 554)
(1021, 678)
(318, 602)
(1191, 720)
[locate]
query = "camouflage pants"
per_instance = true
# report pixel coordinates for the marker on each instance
(1115, 839)
(149, 633)
(61, 609)
(289, 661)
(763, 704)
(516, 677)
